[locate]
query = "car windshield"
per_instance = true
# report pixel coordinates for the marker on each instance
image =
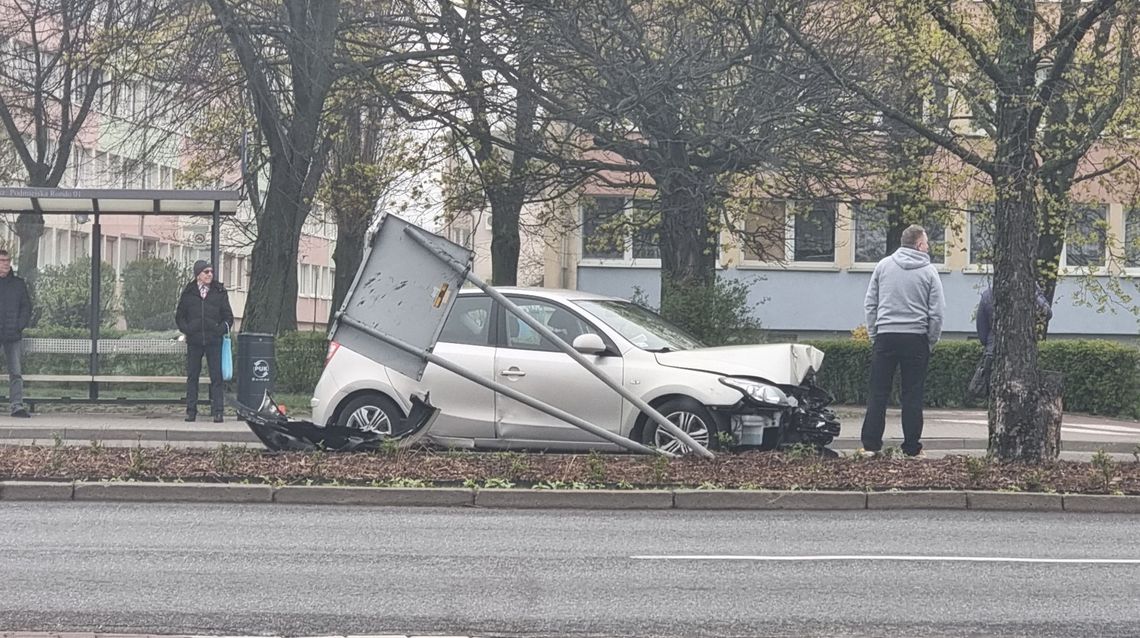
(643, 328)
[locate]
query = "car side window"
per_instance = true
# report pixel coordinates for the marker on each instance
(563, 323)
(469, 322)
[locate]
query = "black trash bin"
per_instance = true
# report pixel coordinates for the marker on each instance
(255, 368)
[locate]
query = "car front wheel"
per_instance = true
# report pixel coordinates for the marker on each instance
(691, 417)
(371, 413)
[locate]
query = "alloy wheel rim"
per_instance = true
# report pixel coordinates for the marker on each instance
(370, 418)
(690, 424)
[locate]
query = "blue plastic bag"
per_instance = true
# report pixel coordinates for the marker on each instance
(227, 358)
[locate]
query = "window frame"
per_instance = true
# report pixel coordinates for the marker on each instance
(627, 257)
(1105, 253)
(789, 224)
(500, 325)
(492, 322)
(854, 207)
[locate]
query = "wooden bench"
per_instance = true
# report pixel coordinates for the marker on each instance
(82, 347)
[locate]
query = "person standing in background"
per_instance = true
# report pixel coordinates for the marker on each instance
(904, 306)
(15, 315)
(204, 316)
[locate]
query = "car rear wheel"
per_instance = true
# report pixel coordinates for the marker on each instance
(371, 413)
(691, 417)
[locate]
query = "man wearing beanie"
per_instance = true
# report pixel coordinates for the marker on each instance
(204, 316)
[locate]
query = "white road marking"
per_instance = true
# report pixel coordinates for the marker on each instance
(1132, 434)
(921, 559)
(1064, 425)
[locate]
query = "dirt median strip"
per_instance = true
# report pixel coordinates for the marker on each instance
(685, 499)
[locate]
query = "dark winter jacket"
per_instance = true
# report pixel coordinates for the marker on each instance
(985, 316)
(15, 308)
(204, 321)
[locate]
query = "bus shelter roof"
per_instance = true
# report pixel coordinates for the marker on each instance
(143, 202)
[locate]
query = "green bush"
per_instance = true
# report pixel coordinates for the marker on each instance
(1101, 377)
(62, 295)
(150, 292)
(718, 314)
(300, 360)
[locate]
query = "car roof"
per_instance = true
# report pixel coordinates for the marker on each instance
(557, 294)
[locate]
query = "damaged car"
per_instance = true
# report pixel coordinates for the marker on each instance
(761, 396)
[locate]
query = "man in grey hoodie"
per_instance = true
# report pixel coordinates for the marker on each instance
(904, 306)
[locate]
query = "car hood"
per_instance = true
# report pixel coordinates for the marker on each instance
(783, 363)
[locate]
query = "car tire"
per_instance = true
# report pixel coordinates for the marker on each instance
(371, 413)
(692, 417)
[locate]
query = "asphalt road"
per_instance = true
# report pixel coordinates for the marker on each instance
(210, 569)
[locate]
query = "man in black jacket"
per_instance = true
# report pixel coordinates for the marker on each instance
(15, 315)
(204, 316)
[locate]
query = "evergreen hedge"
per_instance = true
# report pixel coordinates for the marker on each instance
(1101, 377)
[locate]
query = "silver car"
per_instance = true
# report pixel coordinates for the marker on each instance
(752, 395)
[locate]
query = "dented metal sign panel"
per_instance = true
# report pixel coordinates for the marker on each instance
(403, 290)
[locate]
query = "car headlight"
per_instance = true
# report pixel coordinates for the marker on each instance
(760, 392)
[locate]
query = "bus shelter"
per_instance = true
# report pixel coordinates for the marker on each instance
(94, 204)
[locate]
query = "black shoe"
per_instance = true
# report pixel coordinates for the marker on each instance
(218, 418)
(21, 414)
(190, 418)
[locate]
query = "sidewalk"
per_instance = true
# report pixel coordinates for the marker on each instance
(946, 431)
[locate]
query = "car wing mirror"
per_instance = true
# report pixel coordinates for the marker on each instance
(589, 344)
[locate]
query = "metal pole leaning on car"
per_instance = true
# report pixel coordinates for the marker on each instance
(633, 446)
(648, 410)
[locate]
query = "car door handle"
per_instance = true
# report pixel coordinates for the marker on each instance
(512, 372)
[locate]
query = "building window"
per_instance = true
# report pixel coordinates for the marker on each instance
(765, 234)
(1132, 238)
(620, 229)
(646, 238)
(131, 248)
(871, 226)
(80, 246)
(814, 233)
(1087, 236)
(873, 229)
(981, 234)
(603, 226)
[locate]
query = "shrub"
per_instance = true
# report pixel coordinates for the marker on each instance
(150, 292)
(62, 295)
(1100, 377)
(300, 360)
(718, 314)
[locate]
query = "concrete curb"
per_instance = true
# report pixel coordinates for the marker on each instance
(174, 492)
(926, 500)
(768, 500)
(36, 491)
(206, 435)
(576, 499)
(1110, 447)
(1018, 501)
(1101, 503)
(394, 496)
(681, 499)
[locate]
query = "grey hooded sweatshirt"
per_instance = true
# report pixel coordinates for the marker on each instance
(905, 295)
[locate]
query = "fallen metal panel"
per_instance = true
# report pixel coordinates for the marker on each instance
(403, 290)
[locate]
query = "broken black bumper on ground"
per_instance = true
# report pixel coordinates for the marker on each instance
(281, 434)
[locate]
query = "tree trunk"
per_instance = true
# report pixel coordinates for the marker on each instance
(687, 244)
(1055, 214)
(351, 233)
(29, 228)
(1017, 431)
(271, 305)
(505, 243)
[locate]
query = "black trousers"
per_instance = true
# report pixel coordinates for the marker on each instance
(911, 354)
(213, 353)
